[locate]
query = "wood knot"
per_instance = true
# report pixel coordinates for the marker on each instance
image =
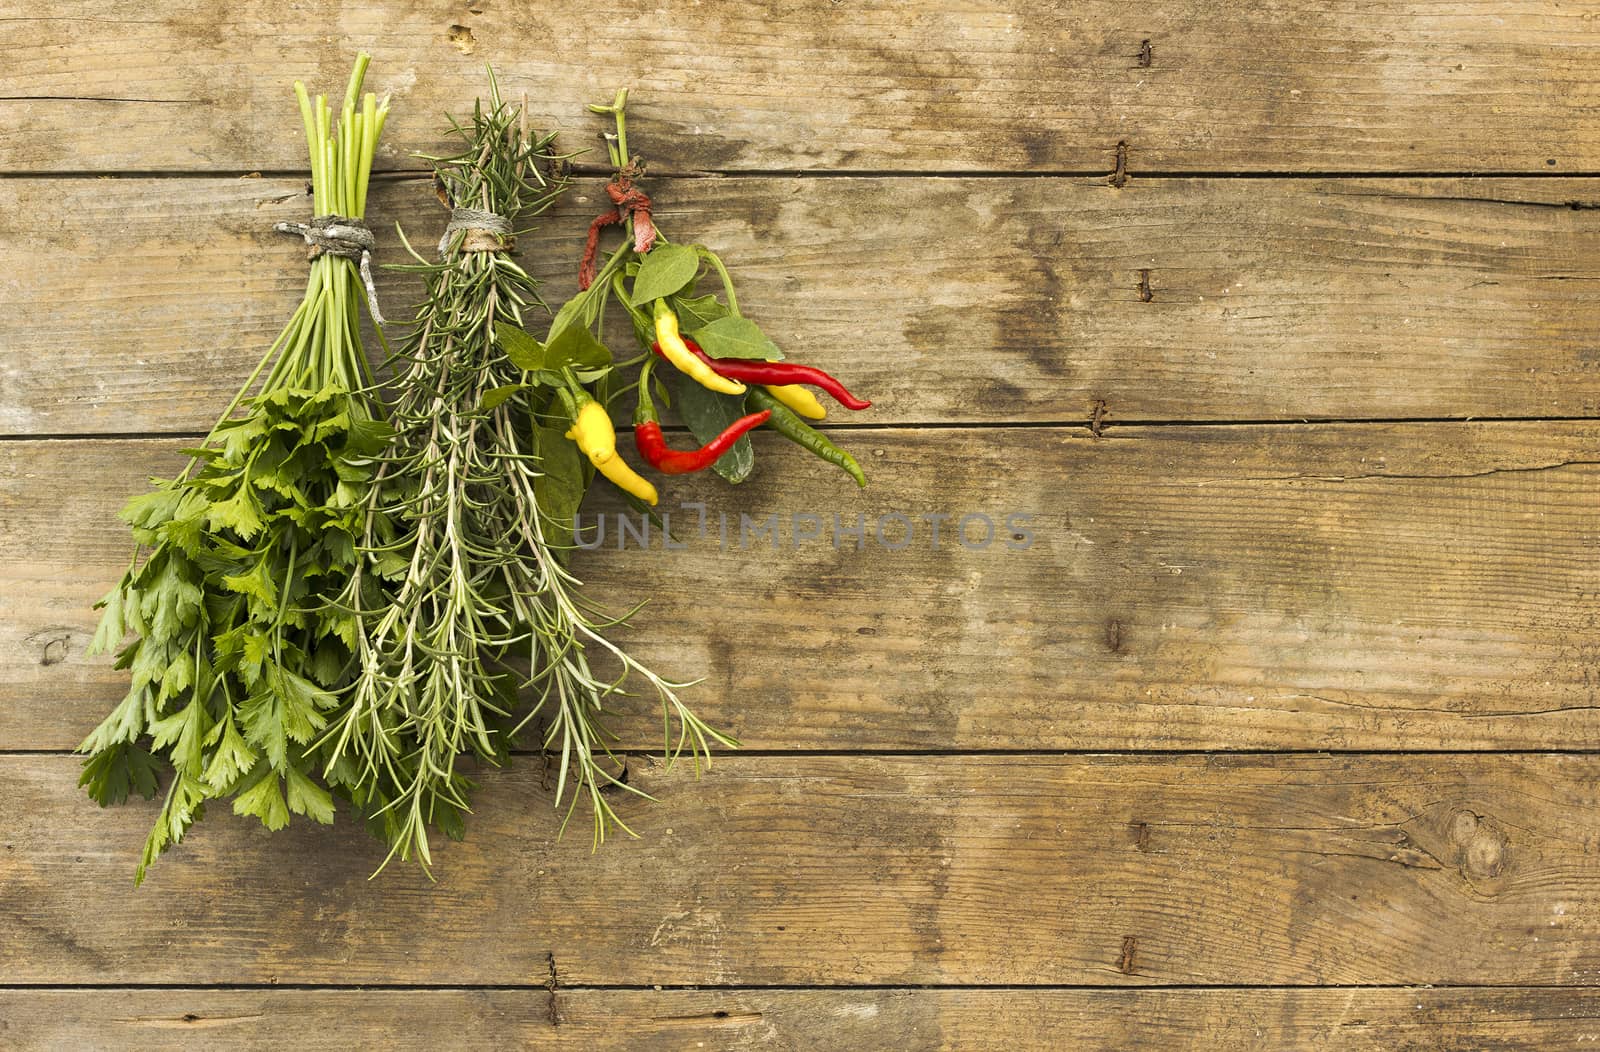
(53, 643)
(1463, 825)
(1480, 846)
(1116, 635)
(1125, 961)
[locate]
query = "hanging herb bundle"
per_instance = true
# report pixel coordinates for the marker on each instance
(238, 648)
(726, 375)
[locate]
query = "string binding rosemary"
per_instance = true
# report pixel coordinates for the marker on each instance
(486, 231)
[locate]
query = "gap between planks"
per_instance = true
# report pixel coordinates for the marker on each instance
(538, 987)
(593, 172)
(950, 425)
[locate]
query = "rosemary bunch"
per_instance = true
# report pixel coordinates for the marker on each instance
(440, 596)
(237, 650)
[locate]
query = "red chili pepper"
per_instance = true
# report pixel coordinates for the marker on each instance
(751, 371)
(653, 444)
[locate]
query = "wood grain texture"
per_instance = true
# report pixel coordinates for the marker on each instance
(857, 870)
(926, 86)
(973, 301)
(1380, 587)
(1363, 1020)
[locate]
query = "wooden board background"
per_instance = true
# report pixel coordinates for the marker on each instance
(1281, 731)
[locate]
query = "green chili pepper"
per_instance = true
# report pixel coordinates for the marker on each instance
(788, 424)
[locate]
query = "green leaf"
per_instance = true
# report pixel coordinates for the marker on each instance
(330, 426)
(109, 776)
(188, 532)
(366, 437)
(238, 513)
(576, 346)
(238, 435)
(257, 645)
(125, 723)
(698, 312)
(265, 801)
(493, 399)
(736, 338)
(172, 601)
(344, 627)
(183, 806)
(560, 486)
(113, 627)
(263, 725)
(303, 703)
(308, 798)
(707, 414)
(149, 510)
(185, 732)
(255, 583)
(579, 310)
(285, 707)
(328, 660)
(663, 271)
(521, 350)
(231, 759)
(179, 677)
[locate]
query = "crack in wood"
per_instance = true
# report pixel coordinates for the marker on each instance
(189, 1021)
(1569, 205)
(551, 985)
(1387, 475)
(720, 1017)
(100, 98)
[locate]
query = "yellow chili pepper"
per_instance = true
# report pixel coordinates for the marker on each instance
(798, 398)
(675, 351)
(594, 435)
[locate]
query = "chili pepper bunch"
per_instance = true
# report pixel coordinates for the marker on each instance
(725, 376)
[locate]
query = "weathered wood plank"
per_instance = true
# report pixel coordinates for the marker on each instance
(148, 301)
(1027, 869)
(1394, 586)
(1378, 1020)
(929, 86)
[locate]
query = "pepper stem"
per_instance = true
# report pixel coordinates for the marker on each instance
(616, 142)
(647, 406)
(573, 396)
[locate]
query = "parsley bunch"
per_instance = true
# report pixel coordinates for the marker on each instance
(240, 647)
